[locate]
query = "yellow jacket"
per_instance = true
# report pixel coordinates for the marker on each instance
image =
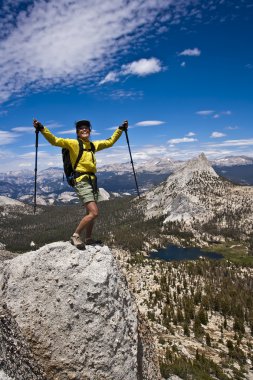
(87, 162)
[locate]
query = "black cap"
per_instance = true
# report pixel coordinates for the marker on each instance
(83, 123)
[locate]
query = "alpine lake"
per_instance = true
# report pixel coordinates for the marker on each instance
(174, 253)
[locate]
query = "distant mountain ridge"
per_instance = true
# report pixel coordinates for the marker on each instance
(233, 161)
(116, 178)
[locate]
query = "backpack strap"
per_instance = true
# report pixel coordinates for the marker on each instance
(81, 150)
(92, 146)
(79, 154)
(92, 150)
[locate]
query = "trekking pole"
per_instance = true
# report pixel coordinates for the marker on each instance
(137, 188)
(35, 169)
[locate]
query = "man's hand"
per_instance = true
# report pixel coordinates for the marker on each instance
(37, 125)
(124, 126)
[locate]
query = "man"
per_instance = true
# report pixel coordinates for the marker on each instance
(85, 181)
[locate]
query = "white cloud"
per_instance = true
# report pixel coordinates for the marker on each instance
(205, 112)
(222, 113)
(95, 133)
(120, 154)
(216, 135)
(130, 94)
(61, 43)
(234, 143)
(149, 123)
(67, 132)
(232, 127)
(213, 113)
(25, 165)
(113, 128)
(190, 134)
(7, 137)
(23, 129)
(228, 113)
(191, 52)
(73, 131)
(110, 77)
(12, 161)
(31, 155)
(182, 140)
(52, 124)
(142, 67)
(32, 145)
(183, 64)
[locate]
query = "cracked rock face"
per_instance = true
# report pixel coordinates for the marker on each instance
(74, 312)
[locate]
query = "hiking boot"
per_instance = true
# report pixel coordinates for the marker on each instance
(77, 242)
(91, 241)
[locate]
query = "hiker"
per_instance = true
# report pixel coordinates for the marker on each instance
(85, 181)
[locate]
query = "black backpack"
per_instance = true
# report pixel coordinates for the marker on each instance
(70, 173)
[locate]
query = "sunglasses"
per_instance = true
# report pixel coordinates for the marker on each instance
(84, 129)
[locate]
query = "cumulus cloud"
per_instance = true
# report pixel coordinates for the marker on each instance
(49, 43)
(142, 68)
(190, 134)
(182, 140)
(216, 135)
(149, 123)
(190, 52)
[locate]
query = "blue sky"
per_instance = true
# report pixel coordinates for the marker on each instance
(180, 71)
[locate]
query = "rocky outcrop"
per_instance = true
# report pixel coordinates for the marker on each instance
(70, 315)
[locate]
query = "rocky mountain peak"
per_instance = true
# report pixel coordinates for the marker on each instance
(195, 192)
(199, 164)
(191, 171)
